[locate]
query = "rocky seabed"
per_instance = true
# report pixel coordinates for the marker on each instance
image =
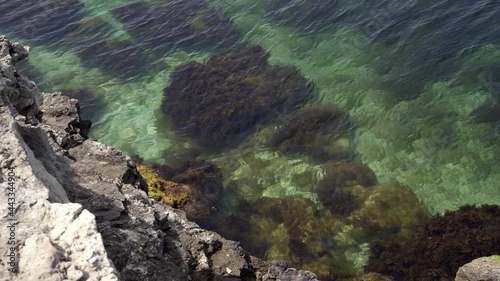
(82, 210)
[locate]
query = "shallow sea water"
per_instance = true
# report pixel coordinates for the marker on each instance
(408, 72)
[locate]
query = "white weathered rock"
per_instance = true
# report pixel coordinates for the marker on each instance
(55, 239)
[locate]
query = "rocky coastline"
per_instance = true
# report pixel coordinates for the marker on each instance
(82, 211)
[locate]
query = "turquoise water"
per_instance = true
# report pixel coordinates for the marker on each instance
(412, 75)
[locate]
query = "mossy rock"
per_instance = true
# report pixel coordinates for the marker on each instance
(196, 187)
(171, 193)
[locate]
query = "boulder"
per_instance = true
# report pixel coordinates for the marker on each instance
(218, 103)
(481, 269)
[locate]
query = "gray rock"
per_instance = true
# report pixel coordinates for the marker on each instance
(21, 92)
(481, 269)
(62, 116)
(281, 272)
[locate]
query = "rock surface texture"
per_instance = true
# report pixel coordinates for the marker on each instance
(482, 269)
(53, 239)
(82, 209)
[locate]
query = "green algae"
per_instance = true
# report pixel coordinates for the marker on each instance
(495, 258)
(170, 193)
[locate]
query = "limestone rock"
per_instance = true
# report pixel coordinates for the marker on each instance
(53, 238)
(63, 116)
(280, 271)
(481, 269)
(21, 92)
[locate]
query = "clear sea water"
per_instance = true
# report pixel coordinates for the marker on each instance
(419, 79)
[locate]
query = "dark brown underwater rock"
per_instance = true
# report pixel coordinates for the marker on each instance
(318, 132)
(333, 190)
(446, 243)
(219, 102)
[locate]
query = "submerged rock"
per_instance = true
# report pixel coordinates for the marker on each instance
(390, 209)
(446, 242)
(34, 19)
(318, 132)
(117, 58)
(481, 269)
(333, 190)
(286, 228)
(426, 40)
(196, 188)
(165, 25)
(488, 112)
(219, 102)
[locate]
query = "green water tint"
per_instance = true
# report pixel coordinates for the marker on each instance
(427, 143)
